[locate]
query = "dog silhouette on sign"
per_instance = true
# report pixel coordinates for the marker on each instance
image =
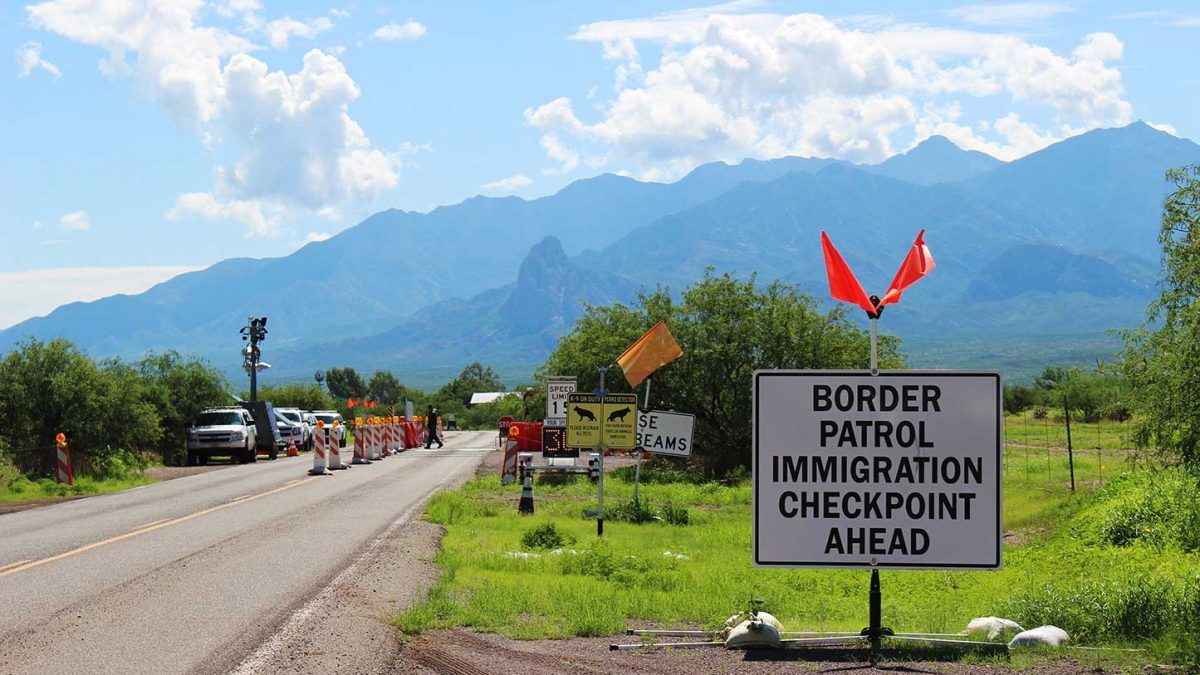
(619, 414)
(585, 414)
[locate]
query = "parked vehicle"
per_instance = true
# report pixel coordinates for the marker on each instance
(329, 417)
(222, 431)
(301, 428)
(289, 431)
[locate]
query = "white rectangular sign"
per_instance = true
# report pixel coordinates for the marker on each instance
(557, 391)
(897, 470)
(665, 433)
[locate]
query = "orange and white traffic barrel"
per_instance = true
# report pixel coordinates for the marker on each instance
(333, 447)
(320, 440)
(64, 473)
(360, 443)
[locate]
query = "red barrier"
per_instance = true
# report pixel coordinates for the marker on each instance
(529, 436)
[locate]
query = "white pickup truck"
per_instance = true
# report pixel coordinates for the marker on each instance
(222, 431)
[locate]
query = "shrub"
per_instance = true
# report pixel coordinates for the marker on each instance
(546, 536)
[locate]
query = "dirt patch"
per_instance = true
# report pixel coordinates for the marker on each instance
(172, 472)
(13, 507)
(463, 652)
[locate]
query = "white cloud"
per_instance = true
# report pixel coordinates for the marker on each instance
(75, 220)
(280, 31)
(508, 185)
(1162, 126)
(29, 59)
(740, 84)
(260, 217)
(340, 13)
(293, 142)
(232, 8)
(37, 292)
(316, 236)
(1022, 14)
(409, 30)
(37, 225)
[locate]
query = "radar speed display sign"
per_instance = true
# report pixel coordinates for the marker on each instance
(897, 470)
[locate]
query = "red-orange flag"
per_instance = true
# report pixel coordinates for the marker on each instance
(842, 283)
(652, 351)
(917, 264)
(350, 402)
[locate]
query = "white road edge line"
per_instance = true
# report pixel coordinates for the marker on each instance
(256, 660)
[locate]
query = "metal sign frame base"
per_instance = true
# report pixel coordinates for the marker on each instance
(875, 637)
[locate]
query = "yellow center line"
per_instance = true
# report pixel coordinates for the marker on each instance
(153, 522)
(14, 564)
(148, 528)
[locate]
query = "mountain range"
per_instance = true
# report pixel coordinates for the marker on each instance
(1050, 249)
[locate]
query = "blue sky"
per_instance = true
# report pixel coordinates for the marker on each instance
(144, 137)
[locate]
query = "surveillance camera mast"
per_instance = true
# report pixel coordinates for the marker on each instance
(894, 469)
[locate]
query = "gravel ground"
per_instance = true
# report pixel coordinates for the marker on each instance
(463, 652)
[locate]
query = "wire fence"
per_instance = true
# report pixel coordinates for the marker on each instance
(1036, 449)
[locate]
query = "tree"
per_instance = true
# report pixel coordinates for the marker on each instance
(475, 377)
(51, 387)
(385, 388)
(179, 389)
(1162, 359)
(345, 383)
(296, 395)
(728, 329)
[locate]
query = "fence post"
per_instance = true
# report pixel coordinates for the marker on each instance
(1070, 451)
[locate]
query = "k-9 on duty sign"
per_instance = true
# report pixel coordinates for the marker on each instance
(898, 470)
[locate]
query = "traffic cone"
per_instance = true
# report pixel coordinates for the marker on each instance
(526, 503)
(319, 467)
(292, 451)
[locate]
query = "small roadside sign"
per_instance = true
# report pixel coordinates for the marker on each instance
(558, 390)
(554, 444)
(897, 470)
(665, 433)
(610, 421)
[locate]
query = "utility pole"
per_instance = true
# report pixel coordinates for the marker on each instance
(252, 334)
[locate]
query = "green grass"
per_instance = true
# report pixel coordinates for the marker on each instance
(24, 489)
(1051, 431)
(1056, 567)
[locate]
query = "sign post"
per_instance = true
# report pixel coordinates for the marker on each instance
(600, 422)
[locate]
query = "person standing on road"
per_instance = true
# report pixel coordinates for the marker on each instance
(431, 426)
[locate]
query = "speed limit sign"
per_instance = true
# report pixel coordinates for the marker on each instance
(557, 391)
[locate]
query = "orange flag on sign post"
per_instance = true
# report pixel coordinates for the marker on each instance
(917, 264)
(652, 351)
(843, 285)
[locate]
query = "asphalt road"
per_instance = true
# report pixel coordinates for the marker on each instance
(193, 574)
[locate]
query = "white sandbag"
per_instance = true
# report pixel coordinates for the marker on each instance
(770, 620)
(1042, 636)
(992, 627)
(753, 634)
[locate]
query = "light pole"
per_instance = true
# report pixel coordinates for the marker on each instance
(253, 334)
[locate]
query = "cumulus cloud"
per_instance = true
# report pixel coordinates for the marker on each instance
(316, 236)
(76, 220)
(740, 84)
(29, 59)
(280, 31)
(291, 141)
(508, 185)
(409, 30)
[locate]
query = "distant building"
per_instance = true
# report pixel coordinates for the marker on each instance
(481, 397)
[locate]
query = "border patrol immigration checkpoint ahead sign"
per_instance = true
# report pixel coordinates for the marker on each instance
(897, 470)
